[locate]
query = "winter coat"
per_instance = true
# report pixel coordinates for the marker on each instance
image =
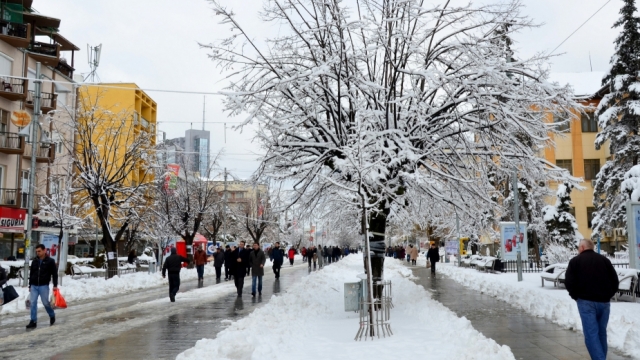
(227, 258)
(414, 253)
(320, 256)
(277, 255)
(219, 258)
(433, 255)
(239, 268)
(257, 258)
(200, 257)
(346, 251)
(590, 276)
(3, 276)
(42, 271)
(173, 264)
(292, 253)
(303, 252)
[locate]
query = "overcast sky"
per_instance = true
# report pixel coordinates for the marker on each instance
(154, 43)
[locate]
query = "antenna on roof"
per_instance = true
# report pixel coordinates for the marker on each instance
(590, 65)
(93, 56)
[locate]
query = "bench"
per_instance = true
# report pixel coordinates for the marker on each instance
(486, 264)
(627, 282)
(86, 271)
(553, 273)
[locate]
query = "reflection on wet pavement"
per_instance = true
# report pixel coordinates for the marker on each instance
(166, 338)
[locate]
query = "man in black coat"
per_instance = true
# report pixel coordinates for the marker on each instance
(218, 262)
(433, 255)
(227, 263)
(172, 265)
(277, 256)
(43, 270)
(239, 262)
(592, 281)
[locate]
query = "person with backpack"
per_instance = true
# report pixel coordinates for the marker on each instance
(43, 270)
(172, 265)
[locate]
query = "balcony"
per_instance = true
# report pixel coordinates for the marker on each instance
(37, 201)
(9, 197)
(47, 54)
(48, 101)
(43, 154)
(11, 143)
(15, 34)
(66, 69)
(13, 89)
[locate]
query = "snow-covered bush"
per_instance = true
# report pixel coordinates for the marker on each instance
(559, 253)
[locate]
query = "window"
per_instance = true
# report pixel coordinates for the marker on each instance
(589, 123)
(565, 164)
(590, 211)
(565, 122)
(239, 195)
(591, 168)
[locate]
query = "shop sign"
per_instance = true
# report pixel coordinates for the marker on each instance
(12, 220)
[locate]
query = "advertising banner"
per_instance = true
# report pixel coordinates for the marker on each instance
(510, 241)
(171, 179)
(633, 233)
(12, 220)
(167, 249)
(451, 247)
(50, 242)
(211, 247)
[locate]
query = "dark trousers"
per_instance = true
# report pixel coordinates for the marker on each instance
(413, 262)
(433, 267)
(227, 272)
(276, 268)
(291, 261)
(248, 272)
(219, 271)
(200, 269)
(174, 283)
(239, 282)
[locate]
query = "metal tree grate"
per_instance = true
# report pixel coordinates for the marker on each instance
(379, 323)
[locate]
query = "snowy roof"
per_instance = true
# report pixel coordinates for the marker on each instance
(583, 83)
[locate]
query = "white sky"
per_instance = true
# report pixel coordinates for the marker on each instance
(154, 43)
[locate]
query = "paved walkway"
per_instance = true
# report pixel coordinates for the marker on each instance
(529, 337)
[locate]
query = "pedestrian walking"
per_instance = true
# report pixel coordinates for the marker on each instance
(218, 262)
(132, 256)
(277, 257)
(292, 254)
(320, 257)
(200, 258)
(413, 253)
(172, 265)
(43, 270)
(315, 257)
(246, 254)
(257, 260)
(303, 251)
(592, 281)
(433, 255)
(228, 264)
(240, 260)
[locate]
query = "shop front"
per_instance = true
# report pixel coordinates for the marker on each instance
(12, 223)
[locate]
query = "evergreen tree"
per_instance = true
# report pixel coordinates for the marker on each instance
(619, 122)
(561, 225)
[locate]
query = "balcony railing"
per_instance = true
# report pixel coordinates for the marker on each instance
(42, 153)
(65, 69)
(10, 143)
(44, 49)
(12, 88)
(144, 122)
(9, 197)
(37, 200)
(47, 100)
(15, 34)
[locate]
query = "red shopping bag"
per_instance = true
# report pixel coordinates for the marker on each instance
(58, 301)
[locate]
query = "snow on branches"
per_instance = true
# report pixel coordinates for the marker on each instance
(561, 224)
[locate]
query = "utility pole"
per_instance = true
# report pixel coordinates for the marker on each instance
(32, 174)
(458, 230)
(516, 215)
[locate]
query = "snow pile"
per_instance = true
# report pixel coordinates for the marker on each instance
(551, 303)
(91, 288)
(631, 183)
(314, 309)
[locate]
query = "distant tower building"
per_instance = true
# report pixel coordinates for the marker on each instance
(198, 142)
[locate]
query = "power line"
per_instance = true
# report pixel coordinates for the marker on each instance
(579, 27)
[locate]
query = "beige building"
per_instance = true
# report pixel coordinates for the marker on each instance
(25, 39)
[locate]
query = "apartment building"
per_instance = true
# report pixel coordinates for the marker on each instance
(27, 38)
(576, 152)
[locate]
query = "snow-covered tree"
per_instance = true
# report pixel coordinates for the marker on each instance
(561, 224)
(376, 98)
(619, 121)
(107, 154)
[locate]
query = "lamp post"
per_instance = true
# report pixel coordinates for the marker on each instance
(33, 138)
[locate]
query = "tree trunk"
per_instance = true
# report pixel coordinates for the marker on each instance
(377, 227)
(110, 246)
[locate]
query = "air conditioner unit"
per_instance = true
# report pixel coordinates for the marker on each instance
(608, 233)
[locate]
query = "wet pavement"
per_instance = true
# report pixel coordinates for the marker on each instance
(138, 326)
(529, 337)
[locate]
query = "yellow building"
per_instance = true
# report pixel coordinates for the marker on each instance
(576, 152)
(126, 99)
